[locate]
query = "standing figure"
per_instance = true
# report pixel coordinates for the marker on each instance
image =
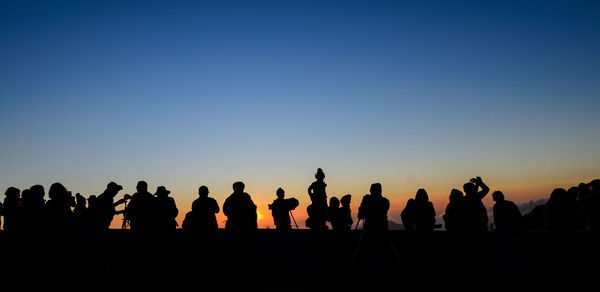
(240, 210)
(140, 210)
(345, 214)
(453, 217)
(507, 216)
(424, 212)
(317, 211)
(408, 220)
(476, 218)
(102, 209)
(373, 210)
(202, 217)
(58, 209)
(12, 209)
(166, 210)
(281, 208)
(333, 213)
(81, 212)
(560, 212)
(33, 209)
(375, 246)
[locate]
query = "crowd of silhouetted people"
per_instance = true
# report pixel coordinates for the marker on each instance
(575, 209)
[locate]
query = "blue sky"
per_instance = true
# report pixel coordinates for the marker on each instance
(411, 94)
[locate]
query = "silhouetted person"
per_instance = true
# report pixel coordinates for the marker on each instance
(166, 210)
(281, 208)
(582, 206)
(375, 243)
(104, 207)
(12, 209)
(373, 210)
(476, 218)
(240, 210)
(535, 220)
(453, 217)
(408, 220)
(507, 216)
(202, 217)
(345, 213)
(560, 212)
(34, 208)
(594, 203)
(423, 212)
(317, 210)
(419, 213)
(141, 207)
(58, 208)
(333, 213)
(81, 212)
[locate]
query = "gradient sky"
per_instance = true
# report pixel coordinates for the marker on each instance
(422, 94)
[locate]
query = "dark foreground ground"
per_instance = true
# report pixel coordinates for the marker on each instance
(297, 260)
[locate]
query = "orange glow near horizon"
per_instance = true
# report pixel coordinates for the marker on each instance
(518, 192)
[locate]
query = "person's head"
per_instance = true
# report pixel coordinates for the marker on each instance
(12, 193)
(583, 189)
(455, 195)
(376, 189)
(142, 186)
(595, 185)
(161, 191)
(320, 175)
(346, 200)
(573, 193)
(421, 196)
(26, 195)
(113, 188)
(334, 202)
(37, 192)
(498, 196)
(238, 187)
(58, 192)
(91, 201)
(203, 191)
(470, 188)
(280, 193)
(558, 195)
(80, 200)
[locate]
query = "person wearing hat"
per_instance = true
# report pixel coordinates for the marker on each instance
(103, 211)
(202, 217)
(166, 210)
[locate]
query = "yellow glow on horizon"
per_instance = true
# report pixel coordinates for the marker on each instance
(259, 215)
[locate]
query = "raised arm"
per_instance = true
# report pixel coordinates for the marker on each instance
(484, 189)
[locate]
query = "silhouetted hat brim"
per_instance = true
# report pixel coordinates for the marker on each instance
(114, 186)
(162, 190)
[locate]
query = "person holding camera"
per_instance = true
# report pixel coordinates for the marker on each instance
(475, 213)
(281, 208)
(103, 210)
